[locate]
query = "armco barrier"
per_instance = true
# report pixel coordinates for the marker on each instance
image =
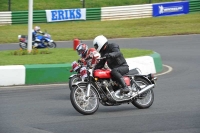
(126, 12)
(103, 14)
(39, 16)
(21, 17)
(194, 5)
(59, 73)
(5, 18)
(93, 13)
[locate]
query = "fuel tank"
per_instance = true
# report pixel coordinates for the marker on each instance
(101, 73)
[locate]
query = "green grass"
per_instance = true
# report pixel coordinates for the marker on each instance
(63, 31)
(22, 5)
(58, 56)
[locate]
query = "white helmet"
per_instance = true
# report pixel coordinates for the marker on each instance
(99, 42)
(37, 28)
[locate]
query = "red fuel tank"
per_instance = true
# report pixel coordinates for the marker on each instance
(101, 73)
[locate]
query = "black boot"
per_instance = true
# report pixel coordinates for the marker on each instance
(124, 88)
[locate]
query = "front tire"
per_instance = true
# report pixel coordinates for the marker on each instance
(146, 99)
(73, 80)
(83, 105)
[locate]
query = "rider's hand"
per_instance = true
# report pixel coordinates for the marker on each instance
(81, 60)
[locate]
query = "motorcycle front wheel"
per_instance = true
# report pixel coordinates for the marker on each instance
(52, 45)
(81, 103)
(146, 99)
(23, 45)
(73, 80)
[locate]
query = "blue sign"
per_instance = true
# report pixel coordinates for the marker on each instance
(172, 8)
(65, 15)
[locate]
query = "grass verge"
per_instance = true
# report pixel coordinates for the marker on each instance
(56, 56)
(63, 31)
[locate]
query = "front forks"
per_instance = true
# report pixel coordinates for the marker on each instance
(88, 90)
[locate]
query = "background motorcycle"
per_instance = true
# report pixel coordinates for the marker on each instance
(76, 67)
(44, 41)
(100, 88)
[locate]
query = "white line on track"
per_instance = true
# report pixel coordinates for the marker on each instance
(168, 71)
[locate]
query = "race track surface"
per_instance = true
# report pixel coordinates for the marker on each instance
(176, 109)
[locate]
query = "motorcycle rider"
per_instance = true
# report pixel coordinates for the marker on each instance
(87, 55)
(35, 32)
(115, 60)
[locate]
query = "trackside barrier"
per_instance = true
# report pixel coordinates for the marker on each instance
(194, 5)
(126, 12)
(93, 13)
(104, 13)
(47, 73)
(5, 18)
(59, 73)
(21, 17)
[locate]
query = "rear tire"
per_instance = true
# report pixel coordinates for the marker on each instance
(52, 45)
(81, 103)
(146, 99)
(23, 45)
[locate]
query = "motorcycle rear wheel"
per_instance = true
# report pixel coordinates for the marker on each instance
(52, 45)
(73, 80)
(23, 45)
(83, 105)
(146, 99)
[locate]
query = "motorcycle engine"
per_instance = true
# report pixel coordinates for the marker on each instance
(106, 84)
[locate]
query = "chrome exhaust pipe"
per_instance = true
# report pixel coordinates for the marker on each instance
(144, 90)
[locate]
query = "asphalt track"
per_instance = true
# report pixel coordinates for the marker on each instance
(176, 109)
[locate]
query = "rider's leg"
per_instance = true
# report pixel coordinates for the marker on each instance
(117, 74)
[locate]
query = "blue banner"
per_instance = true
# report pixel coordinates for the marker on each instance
(66, 15)
(172, 8)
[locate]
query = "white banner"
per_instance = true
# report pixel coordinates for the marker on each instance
(65, 15)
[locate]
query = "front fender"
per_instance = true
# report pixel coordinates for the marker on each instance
(72, 75)
(79, 83)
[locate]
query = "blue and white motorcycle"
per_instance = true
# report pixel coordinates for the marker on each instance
(41, 41)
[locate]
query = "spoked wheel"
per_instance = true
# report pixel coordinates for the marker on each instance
(23, 45)
(146, 99)
(73, 80)
(84, 105)
(52, 45)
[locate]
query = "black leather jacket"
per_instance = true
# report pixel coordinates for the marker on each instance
(116, 57)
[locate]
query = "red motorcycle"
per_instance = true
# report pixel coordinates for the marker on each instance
(98, 87)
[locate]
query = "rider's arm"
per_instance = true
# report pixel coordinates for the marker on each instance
(115, 52)
(100, 64)
(41, 32)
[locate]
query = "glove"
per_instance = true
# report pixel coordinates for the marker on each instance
(107, 55)
(81, 60)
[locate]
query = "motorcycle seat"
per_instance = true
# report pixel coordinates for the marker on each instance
(133, 72)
